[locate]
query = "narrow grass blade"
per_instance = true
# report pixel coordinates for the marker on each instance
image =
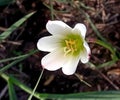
(5, 34)
(109, 47)
(19, 58)
(9, 65)
(102, 43)
(106, 64)
(51, 10)
(13, 58)
(12, 94)
(94, 28)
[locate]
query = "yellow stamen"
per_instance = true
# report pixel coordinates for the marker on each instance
(70, 46)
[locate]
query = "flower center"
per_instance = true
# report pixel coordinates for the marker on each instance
(70, 46)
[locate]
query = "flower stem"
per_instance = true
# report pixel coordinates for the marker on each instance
(30, 97)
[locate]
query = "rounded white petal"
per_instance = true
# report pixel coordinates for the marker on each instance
(87, 47)
(57, 27)
(70, 66)
(53, 60)
(80, 29)
(48, 43)
(85, 54)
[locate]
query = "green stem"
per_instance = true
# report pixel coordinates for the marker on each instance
(30, 97)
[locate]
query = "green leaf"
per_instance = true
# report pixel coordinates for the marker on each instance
(6, 2)
(12, 94)
(109, 47)
(19, 84)
(102, 43)
(102, 95)
(106, 64)
(13, 27)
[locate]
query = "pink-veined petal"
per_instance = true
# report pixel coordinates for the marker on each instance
(53, 60)
(80, 29)
(85, 54)
(58, 27)
(48, 43)
(70, 66)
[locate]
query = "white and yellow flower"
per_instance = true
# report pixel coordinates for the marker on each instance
(66, 46)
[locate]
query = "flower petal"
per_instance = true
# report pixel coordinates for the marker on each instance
(69, 67)
(80, 29)
(48, 43)
(58, 27)
(53, 60)
(87, 47)
(85, 54)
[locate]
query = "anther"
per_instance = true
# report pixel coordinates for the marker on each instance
(70, 46)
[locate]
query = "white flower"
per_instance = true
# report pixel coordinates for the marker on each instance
(66, 46)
